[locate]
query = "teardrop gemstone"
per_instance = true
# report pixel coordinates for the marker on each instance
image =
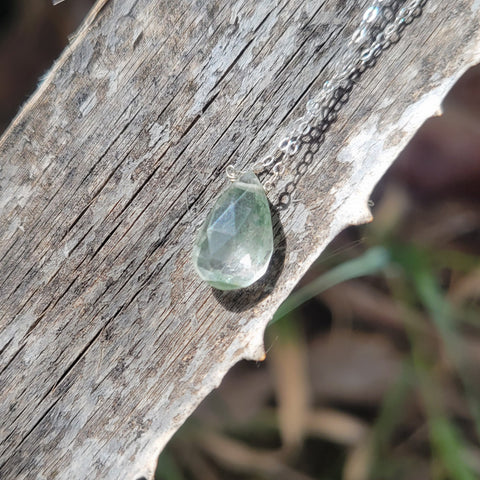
(234, 246)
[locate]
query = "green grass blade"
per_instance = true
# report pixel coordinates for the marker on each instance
(372, 261)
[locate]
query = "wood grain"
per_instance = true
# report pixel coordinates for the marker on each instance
(108, 340)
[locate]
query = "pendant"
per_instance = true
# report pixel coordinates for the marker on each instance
(235, 244)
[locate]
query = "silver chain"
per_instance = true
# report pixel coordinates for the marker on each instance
(381, 25)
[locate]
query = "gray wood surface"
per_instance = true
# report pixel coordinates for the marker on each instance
(108, 340)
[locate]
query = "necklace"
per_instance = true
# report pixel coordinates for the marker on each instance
(234, 246)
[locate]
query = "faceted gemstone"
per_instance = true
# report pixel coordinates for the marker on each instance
(235, 244)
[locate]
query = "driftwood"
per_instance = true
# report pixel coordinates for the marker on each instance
(108, 339)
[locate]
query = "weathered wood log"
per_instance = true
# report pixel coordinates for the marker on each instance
(108, 339)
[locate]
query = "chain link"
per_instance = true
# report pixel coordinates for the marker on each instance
(381, 25)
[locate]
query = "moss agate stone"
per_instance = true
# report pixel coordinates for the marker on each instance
(235, 244)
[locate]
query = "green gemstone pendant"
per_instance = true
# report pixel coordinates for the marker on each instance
(235, 244)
